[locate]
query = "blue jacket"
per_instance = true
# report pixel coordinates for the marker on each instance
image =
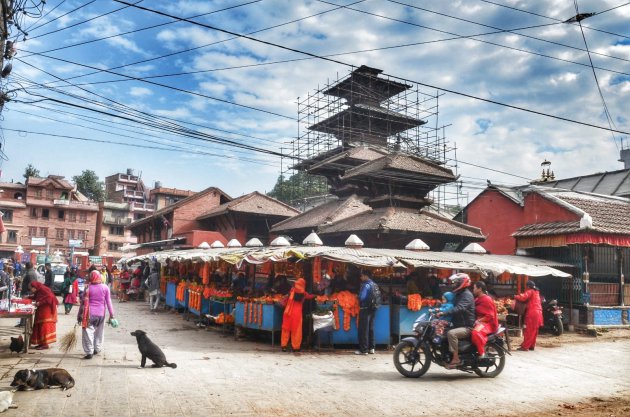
(365, 293)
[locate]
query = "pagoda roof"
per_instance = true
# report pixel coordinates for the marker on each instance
(402, 168)
(359, 120)
(364, 84)
(360, 154)
(389, 219)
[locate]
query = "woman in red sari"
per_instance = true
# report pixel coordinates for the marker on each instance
(292, 317)
(533, 315)
(486, 317)
(45, 324)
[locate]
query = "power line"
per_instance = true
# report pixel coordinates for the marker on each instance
(348, 65)
(31, 28)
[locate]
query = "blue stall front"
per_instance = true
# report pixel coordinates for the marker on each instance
(171, 289)
(351, 337)
(271, 318)
(402, 320)
(205, 307)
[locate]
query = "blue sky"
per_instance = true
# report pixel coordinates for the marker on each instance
(246, 90)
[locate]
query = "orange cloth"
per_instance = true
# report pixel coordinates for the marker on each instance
(292, 317)
(45, 322)
(533, 317)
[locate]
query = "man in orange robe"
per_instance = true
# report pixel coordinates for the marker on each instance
(533, 315)
(292, 317)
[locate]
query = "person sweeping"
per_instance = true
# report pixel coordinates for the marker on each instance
(292, 317)
(92, 314)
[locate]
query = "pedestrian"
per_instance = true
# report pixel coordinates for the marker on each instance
(70, 289)
(5, 283)
(45, 322)
(154, 289)
(91, 315)
(48, 275)
(367, 313)
(533, 315)
(29, 276)
(463, 314)
(125, 283)
(486, 314)
(292, 316)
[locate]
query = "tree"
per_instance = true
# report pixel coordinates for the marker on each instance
(30, 171)
(89, 185)
(298, 186)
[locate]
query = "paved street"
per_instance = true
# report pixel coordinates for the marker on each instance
(217, 375)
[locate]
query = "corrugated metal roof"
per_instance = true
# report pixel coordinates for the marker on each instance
(616, 183)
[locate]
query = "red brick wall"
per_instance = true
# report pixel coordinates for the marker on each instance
(184, 216)
(498, 217)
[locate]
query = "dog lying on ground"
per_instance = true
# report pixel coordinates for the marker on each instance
(150, 350)
(31, 379)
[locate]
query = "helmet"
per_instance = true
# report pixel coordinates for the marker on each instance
(460, 281)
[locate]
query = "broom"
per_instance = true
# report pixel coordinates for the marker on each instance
(69, 340)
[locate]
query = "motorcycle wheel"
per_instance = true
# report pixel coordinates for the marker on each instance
(410, 361)
(558, 327)
(496, 355)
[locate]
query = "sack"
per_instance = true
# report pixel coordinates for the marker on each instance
(377, 297)
(519, 307)
(324, 321)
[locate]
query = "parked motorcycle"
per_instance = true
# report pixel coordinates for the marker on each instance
(552, 317)
(414, 354)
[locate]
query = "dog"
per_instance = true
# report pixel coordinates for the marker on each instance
(33, 379)
(17, 344)
(150, 350)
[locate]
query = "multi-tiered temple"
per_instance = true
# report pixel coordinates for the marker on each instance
(382, 191)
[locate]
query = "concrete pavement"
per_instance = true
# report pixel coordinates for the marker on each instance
(218, 375)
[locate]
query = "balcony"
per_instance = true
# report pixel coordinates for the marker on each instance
(133, 194)
(117, 220)
(142, 206)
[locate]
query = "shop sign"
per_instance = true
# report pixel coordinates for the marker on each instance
(96, 260)
(38, 241)
(75, 243)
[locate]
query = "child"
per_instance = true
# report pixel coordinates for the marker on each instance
(445, 321)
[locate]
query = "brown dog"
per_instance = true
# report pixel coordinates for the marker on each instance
(31, 379)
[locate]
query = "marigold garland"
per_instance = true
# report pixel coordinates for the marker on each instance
(414, 302)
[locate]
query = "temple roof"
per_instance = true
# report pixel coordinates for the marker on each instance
(402, 168)
(363, 84)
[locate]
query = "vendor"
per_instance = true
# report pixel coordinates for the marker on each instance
(412, 285)
(239, 283)
(338, 282)
(282, 286)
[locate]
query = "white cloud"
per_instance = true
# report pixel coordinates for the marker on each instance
(139, 92)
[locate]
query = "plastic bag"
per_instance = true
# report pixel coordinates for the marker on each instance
(326, 320)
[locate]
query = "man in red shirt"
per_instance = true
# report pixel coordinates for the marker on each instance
(486, 313)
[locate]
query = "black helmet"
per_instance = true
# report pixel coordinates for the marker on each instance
(531, 284)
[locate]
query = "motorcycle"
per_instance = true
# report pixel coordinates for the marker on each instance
(552, 317)
(414, 354)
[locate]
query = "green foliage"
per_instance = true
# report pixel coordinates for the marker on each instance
(30, 171)
(89, 185)
(298, 186)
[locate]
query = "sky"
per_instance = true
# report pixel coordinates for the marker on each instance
(516, 85)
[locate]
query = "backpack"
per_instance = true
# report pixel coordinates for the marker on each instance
(376, 297)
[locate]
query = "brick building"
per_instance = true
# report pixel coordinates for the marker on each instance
(163, 197)
(46, 213)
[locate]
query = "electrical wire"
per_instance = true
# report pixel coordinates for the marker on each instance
(31, 28)
(348, 65)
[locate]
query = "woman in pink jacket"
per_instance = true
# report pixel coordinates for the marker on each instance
(92, 314)
(533, 315)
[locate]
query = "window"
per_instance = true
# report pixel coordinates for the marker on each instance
(11, 236)
(43, 231)
(49, 194)
(116, 230)
(7, 216)
(114, 246)
(59, 234)
(61, 215)
(38, 193)
(70, 234)
(83, 217)
(138, 216)
(72, 216)
(32, 231)
(64, 195)
(45, 213)
(34, 212)
(81, 234)
(18, 196)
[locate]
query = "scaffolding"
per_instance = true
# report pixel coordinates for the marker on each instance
(364, 108)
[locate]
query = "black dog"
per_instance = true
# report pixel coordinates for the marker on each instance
(30, 379)
(150, 350)
(17, 344)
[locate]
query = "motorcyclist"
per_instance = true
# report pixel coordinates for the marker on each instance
(463, 313)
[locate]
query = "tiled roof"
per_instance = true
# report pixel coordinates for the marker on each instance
(59, 180)
(359, 153)
(401, 162)
(403, 219)
(331, 211)
(253, 203)
(609, 214)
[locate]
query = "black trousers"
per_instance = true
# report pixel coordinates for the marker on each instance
(366, 329)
